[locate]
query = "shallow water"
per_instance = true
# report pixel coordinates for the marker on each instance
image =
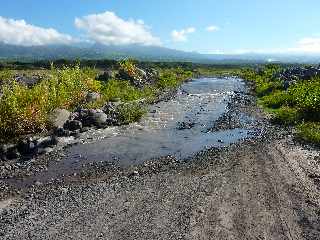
(199, 102)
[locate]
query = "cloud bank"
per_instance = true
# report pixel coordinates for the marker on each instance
(18, 32)
(308, 45)
(109, 29)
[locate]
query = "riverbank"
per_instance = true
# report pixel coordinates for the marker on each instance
(263, 187)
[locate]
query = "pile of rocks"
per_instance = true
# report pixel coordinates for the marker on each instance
(29, 81)
(27, 147)
(292, 75)
(65, 124)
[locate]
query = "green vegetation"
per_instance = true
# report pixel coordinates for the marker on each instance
(298, 105)
(25, 110)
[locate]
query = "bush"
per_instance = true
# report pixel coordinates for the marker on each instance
(276, 99)
(309, 131)
(125, 91)
(286, 115)
(171, 78)
(306, 95)
(130, 112)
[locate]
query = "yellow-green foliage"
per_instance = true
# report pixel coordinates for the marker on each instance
(25, 110)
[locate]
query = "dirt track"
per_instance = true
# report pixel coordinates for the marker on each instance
(265, 188)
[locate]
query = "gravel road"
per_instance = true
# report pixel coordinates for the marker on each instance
(263, 188)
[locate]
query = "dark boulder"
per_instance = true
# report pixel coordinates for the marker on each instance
(73, 125)
(106, 76)
(26, 146)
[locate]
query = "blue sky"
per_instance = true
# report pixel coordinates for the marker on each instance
(236, 25)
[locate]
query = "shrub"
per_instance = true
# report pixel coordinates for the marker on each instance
(309, 131)
(130, 112)
(286, 115)
(306, 95)
(276, 99)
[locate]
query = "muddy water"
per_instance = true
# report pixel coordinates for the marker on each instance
(178, 127)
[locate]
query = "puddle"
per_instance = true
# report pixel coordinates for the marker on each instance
(177, 127)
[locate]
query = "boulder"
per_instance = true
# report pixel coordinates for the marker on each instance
(59, 117)
(93, 117)
(99, 119)
(92, 97)
(106, 76)
(46, 142)
(9, 151)
(26, 146)
(73, 125)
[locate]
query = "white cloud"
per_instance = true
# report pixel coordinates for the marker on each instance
(307, 45)
(181, 36)
(109, 29)
(18, 32)
(212, 28)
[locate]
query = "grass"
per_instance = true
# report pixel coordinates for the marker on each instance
(298, 106)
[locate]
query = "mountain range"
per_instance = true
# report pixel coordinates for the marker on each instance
(147, 53)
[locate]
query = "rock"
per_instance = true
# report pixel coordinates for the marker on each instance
(73, 125)
(106, 76)
(28, 81)
(93, 117)
(292, 75)
(139, 77)
(46, 142)
(37, 183)
(61, 132)
(59, 117)
(93, 97)
(44, 150)
(12, 152)
(26, 146)
(75, 133)
(185, 125)
(99, 119)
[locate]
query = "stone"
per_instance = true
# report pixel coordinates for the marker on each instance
(93, 97)
(46, 142)
(44, 150)
(59, 117)
(185, 125)
(106, 76)
(12, 152)
(73, 125)
(99, 119)
(26, 146)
